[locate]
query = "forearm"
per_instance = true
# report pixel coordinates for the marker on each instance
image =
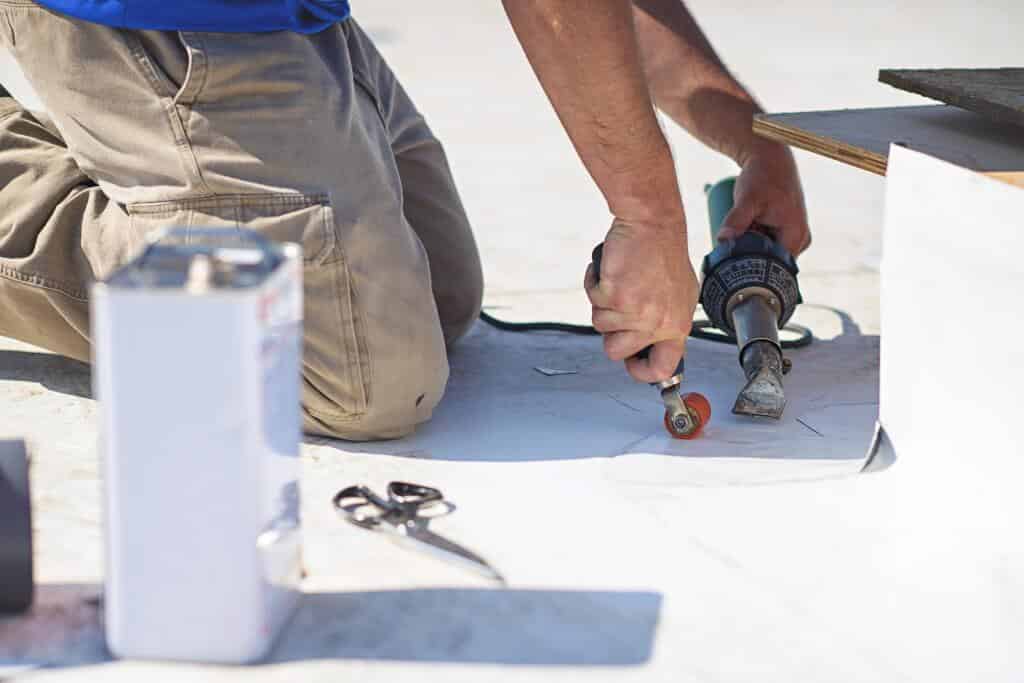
(586, 56)
(690, 84)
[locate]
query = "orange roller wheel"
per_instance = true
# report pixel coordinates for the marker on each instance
(699, 408)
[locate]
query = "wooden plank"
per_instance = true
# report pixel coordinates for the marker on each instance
(819, 132)
(1012, 178)
(996, 93)
(861, 137)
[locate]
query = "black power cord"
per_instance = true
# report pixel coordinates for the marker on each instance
(702, 329)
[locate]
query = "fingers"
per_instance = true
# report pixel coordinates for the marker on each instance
(737, 221)
(607, 320)
(803, 240)
(660, 364)
(622, 345)
(794, 236)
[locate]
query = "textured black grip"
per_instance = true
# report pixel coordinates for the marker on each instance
(752, 260)
(595, 260)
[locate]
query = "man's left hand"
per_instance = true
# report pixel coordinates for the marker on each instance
(768, 193)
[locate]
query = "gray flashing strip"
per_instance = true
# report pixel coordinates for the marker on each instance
(881, 453)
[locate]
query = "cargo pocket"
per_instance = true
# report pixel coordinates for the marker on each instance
(335, 362)
(174, 62)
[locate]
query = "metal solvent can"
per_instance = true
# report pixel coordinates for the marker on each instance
(196, 350)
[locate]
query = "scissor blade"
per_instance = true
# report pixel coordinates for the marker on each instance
(449, 551)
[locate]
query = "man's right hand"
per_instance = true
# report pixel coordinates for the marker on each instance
(646, 294)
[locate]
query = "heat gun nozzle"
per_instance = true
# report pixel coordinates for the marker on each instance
(763, 396)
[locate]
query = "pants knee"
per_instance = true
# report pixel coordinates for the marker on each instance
(461, 312)
(400, 395)
(338, 427)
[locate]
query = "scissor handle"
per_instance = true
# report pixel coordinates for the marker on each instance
(404, 503)
(349, 501)
(413, 495)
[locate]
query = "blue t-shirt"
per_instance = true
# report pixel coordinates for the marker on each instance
(235, 16)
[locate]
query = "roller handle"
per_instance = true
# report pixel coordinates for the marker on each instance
(642, 354)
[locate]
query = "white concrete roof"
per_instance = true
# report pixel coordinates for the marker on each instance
(753, 553)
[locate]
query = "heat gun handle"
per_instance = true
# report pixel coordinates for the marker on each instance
(720, 203)
(595, 261)
(720, 199)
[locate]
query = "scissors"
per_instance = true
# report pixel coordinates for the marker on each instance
(405, 514)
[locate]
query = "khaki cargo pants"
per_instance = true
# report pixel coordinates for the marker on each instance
(305, 138)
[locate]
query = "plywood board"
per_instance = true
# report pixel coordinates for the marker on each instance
(995, 93)
(1012, 178)
(861, 137)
